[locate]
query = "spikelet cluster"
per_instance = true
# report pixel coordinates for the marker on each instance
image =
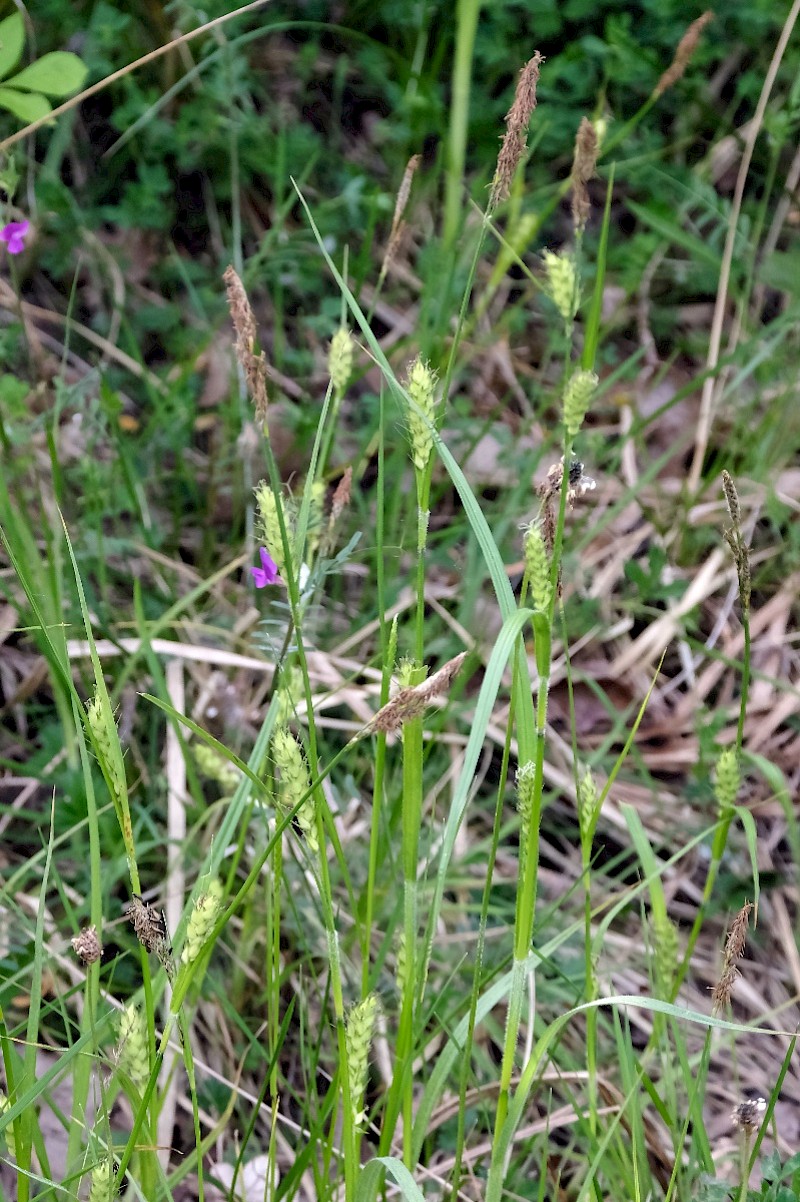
(359, 1031)
(201, 921)
(316, 516)
(577, 395)
(87, 945)
(526, 780)
(736, 541)
(665, 947)
(726, 783)
(561, 283)
(294, 783)
(216, 767)
(289, 694)
(413, 699)
(254, 366)
(686, 48)
(588, 809)
(735, 946)
(97, 718)
(268, 524)
(102, 1186)
(401, 963)
(517, 119)
(537, 567)
(340, 360)
(583, 165)
(8, 1132)
(421, 385)
(133, 1057)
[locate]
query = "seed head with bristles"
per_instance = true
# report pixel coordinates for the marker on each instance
(359, 1031)
(583, 165)
(537, 567)
(254, 366)
(515, 138)
(294, 783)
(133, 1057)
(526, 783)
(102, 1186)
(413, 700)
(577, 395)
(561, 283)
(201, 921)
(421, 386)
(340, 360)
(686, 48)
(268, 524)
(588, 810)
(726, 784)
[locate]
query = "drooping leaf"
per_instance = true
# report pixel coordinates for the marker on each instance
(27, 106)
(56, 74)
(12, 39)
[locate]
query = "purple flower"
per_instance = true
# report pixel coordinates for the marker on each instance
(268, 572)
(15, 234)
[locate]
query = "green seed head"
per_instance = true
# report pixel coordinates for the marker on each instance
(726, 785)
(269, 527)
(8, 1133)
(294, 783)
(561, 283)
(358, 1040)
(577, 395)
(421, 385)
(587, 807)
(537, 567)
(101, 1189)
(201, 921)
(133, 1057)
(340, 360)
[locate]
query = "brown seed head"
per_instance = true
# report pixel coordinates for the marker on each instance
(514, 140)
(87, 946)
(244, 323)
(412, 701)
(150, 926)
(748, 1114)
(686, 48)
(734, 950)
(583, 165)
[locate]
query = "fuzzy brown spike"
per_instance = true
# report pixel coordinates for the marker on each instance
(734, 950)
(517, 119)
(686, 48)
(412, 701)
(583, 165)
(254, 366)
(397, 232)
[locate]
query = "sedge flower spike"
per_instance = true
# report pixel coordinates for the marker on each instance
(14, 235)
(268, 572)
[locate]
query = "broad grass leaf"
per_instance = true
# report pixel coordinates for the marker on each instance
(56, 74)
(12, 39)
(28, 107)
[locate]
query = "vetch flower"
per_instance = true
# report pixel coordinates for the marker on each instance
(15, 234)
(268, 572)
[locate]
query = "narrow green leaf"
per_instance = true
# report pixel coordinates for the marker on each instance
(56, 74)
(371, 1173)
(12, 39)
(27, 107)
(596, 308)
